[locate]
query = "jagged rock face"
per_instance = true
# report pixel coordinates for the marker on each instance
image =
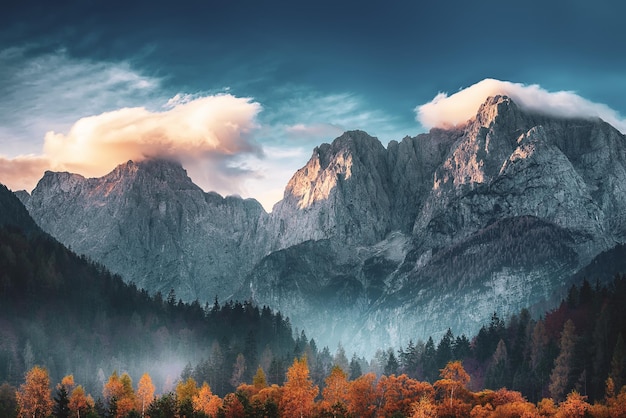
(501, 211)
(370, 246)
(148, 222)
(342, 193)
(510, 164)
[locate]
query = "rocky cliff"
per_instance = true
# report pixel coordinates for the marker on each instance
(148, 222)
(496, 215)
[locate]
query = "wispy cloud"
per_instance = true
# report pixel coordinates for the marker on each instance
(43, 92)
(62, 113)
(205, 133)
(298, 120)
(446, 111)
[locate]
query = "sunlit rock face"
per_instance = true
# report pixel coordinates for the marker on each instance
(498, 214)
(371, 246)
(148, 222)
(342, 193)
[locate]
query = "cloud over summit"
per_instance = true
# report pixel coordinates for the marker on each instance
(207, 130)
(446, 111)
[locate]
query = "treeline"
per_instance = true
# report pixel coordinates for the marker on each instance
(72, 315)
(299, 397)
(577, 346)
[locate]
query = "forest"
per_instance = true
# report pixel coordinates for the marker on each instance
(569, 363)
(77, 341)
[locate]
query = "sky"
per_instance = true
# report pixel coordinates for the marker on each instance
(240, 92)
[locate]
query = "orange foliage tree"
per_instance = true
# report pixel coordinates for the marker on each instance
(362, 396)
(398, 393)
(336, 390)
(573, 407)
(119, 389)
(424, 408)
(298, 392)
(454, 378)
(79, 402)
(205, 401)
(33, 397)
(232, 407)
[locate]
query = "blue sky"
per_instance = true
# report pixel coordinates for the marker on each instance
(310, 70)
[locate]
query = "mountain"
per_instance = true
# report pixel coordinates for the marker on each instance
(72, 316)
(151, 224)
(496, 215)
(370, 245)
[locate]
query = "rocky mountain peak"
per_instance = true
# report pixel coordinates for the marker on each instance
(60, 181)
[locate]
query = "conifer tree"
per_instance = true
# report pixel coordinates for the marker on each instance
(561, 377)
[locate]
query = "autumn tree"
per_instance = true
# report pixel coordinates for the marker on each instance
(362, 396)
(205, 401)
(185, 391)
(79, 402)
(232, 407)
(34, 395)
(259, 381)
(336, 390)
(145, 393)
(453, 379)
(561, 377)
(118, 392)
(573, 407)
(397, 394)
(298, 392)
(423, 408)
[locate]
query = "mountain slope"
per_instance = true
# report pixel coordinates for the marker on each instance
(149, 223)
(506, 209)
(377, 244)
(72, 316)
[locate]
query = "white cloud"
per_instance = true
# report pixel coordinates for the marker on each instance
(447, 111)
(205, 134)
(43, 92)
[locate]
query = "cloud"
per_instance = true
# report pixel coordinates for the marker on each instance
(447, 111)
(206, 133)
(50, 91)
(23, 172)
(315, 130)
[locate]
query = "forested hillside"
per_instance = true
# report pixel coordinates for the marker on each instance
(70, 315)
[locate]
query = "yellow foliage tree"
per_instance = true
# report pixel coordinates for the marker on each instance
(145, 393)
(259, 381)
(68, 382)
(185, 391)
(424, 408)
(33, 397)
(453, 379)
(79, 402)
(298, 392)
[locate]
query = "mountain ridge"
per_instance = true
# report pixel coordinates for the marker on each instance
(525, 176)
